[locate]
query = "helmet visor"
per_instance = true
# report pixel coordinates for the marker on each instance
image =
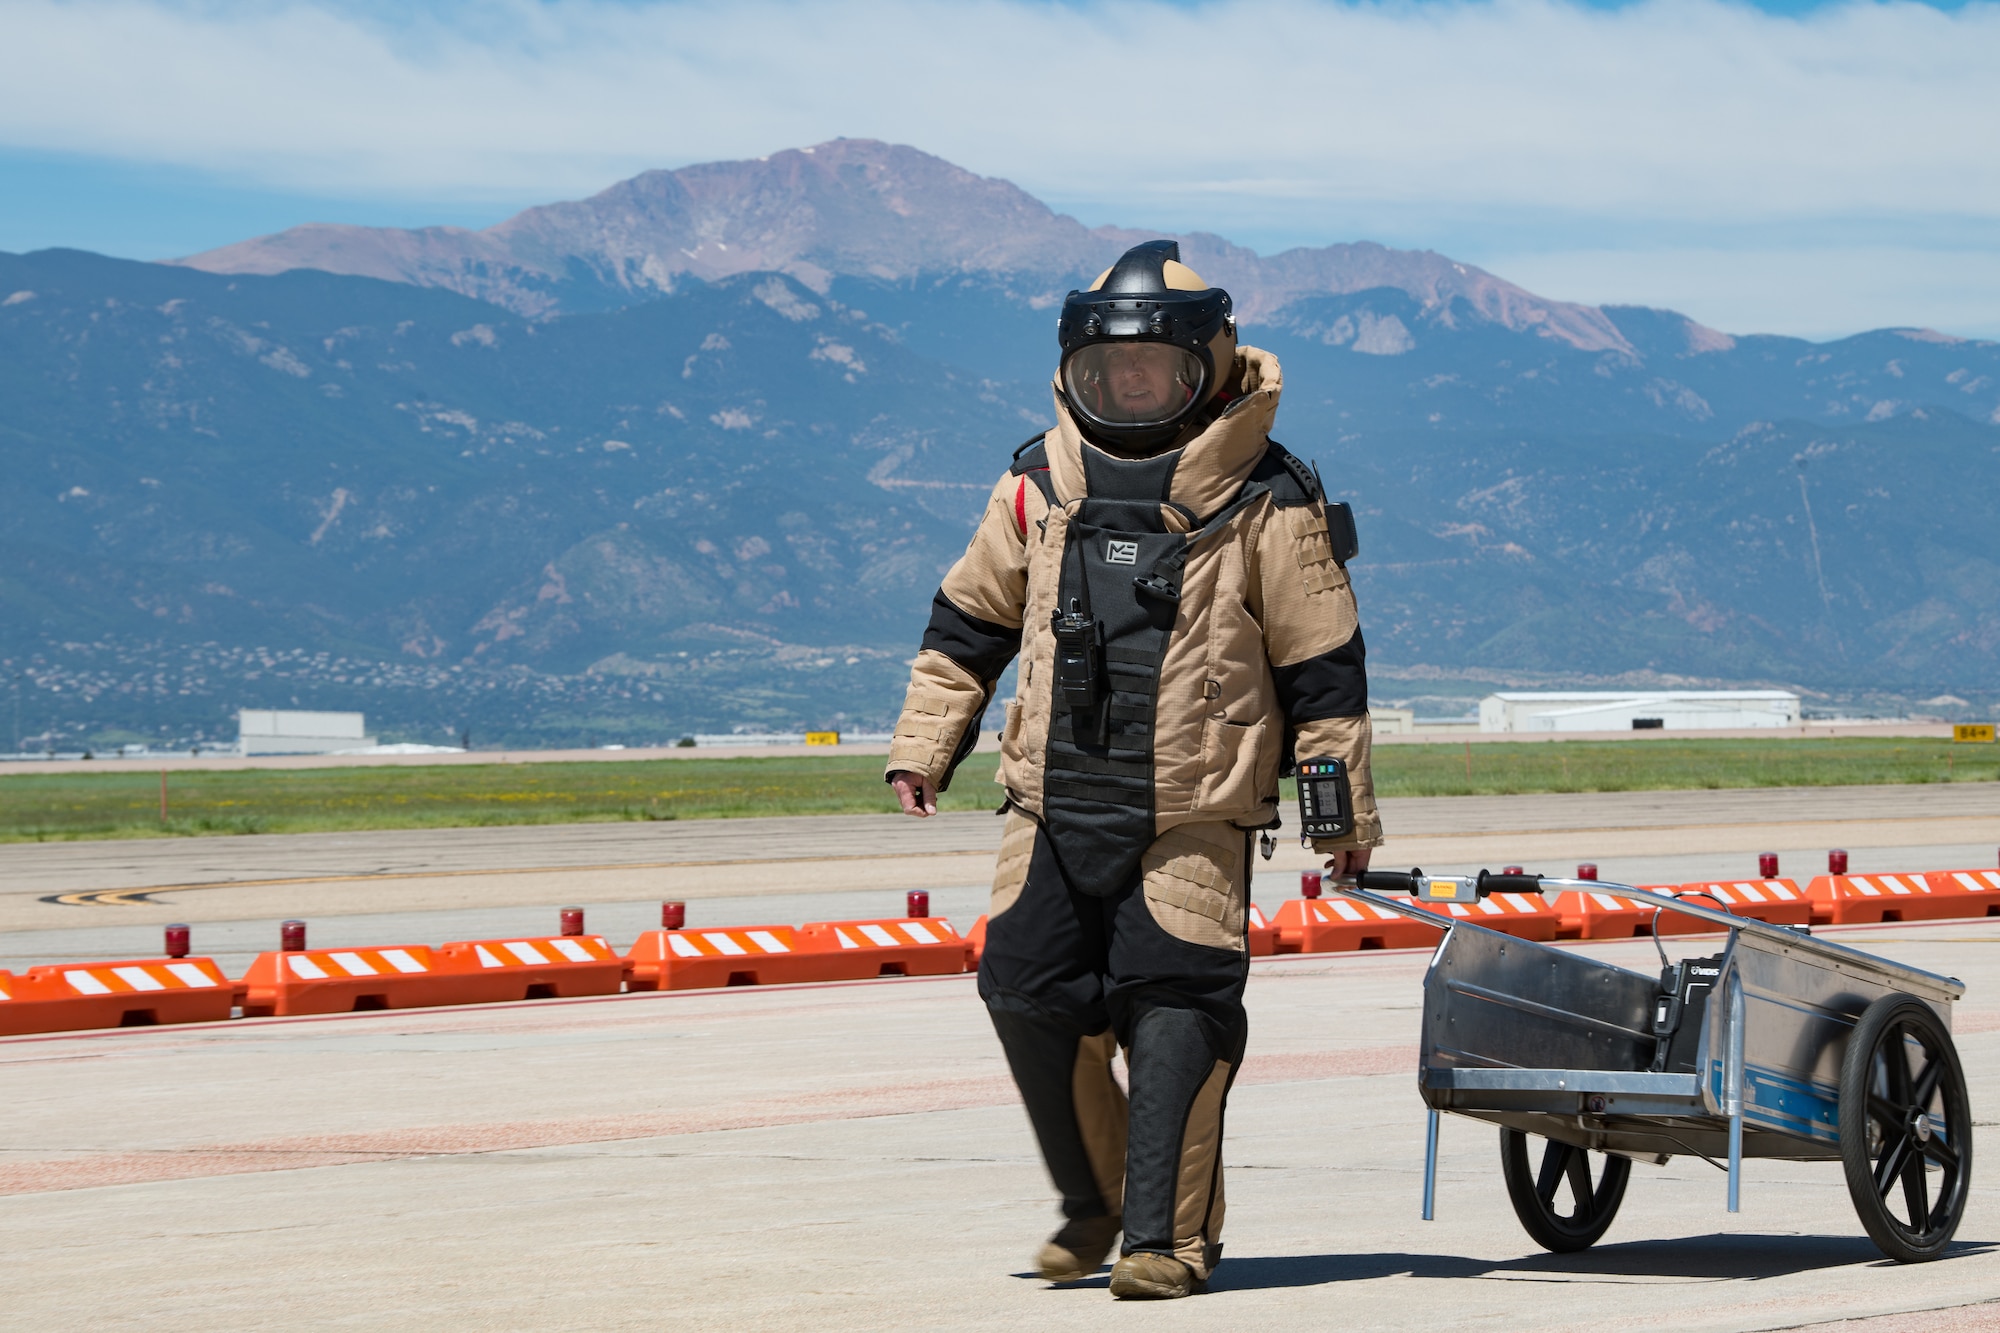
(1133, 383)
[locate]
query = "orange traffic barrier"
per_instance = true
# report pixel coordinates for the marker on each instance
(340, 981)
(1338, 924)
(140, 992)
(724, 956)
(1781, 902)
(1982, 887)
(1526, 916)
(1845, 900)
(1263, 936)
(975, 943)
(1591, 914)
(543, 968)
(891, 947)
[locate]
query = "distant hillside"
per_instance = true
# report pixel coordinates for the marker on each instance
(727, 495)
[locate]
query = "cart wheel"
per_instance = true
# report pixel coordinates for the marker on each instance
(1905, 1122)
(1565, 1171)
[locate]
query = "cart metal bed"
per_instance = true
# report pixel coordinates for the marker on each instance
(1806, 1050)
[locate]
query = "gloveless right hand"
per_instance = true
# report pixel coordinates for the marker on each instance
(917, 793)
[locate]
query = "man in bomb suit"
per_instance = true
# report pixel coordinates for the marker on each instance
(1178, 598)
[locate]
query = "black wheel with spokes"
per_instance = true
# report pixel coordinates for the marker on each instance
(1561, 1202)
(1905, 1128)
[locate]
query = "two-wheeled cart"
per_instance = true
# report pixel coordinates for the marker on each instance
(1778, 1045)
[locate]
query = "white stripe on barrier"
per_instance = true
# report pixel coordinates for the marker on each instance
(571, 950)
(354, 965)
(192, 975)
(305, 967)
(723, 944)
(486, 958)
(768, 942)
(846, 941)
(1346, 910)
(879, 936)
(138, 978)
(401, 960)
(918, 933)
(682, 947)
(86, 983)
(524, 951)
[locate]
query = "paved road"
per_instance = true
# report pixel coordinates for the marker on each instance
(852, 1157)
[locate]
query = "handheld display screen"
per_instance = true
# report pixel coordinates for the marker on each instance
(1326, 803)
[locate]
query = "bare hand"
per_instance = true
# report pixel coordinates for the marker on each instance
(1349, 863)
(916, 792)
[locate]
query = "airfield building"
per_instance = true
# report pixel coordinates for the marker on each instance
(279, 731)
(1685, 710)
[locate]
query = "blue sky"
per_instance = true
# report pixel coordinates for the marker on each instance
(1786, 167)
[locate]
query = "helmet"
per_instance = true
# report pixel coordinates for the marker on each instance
(1145, 349)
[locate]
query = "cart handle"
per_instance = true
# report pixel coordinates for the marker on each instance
(1487, 882)
(1369, 885)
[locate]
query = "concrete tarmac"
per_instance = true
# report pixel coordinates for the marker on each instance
(853, 1157)
(79, 901)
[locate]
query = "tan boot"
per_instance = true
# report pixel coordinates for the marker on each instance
(1151, 1277)
(1075, 1252)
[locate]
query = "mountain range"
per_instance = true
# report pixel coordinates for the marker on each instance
(695, 451)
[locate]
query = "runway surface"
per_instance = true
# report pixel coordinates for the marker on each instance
(428, 886)
(853, 1157)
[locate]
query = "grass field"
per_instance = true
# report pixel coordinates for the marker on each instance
(73, 802)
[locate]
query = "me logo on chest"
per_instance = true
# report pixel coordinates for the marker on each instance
(1121, 553)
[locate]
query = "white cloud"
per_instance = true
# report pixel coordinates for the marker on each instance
(1275, 118)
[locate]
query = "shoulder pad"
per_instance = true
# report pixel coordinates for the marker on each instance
(1292, 482)
(1031, 456)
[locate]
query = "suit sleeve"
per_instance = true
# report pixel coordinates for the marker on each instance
(1312, 636)
(974, 632)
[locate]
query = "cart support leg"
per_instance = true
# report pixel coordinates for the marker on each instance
(1431, 1167)
(1732, 1092)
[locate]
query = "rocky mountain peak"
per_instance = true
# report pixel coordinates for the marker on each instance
(861, 208)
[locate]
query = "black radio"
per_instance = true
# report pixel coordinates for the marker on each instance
(1079, 658)
(1326, 801)
(1685, 990)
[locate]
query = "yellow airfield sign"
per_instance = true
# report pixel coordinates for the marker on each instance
(1973, 731)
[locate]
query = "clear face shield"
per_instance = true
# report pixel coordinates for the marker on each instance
(1133, 383)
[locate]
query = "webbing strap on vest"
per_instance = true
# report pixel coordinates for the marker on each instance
(1121, 571)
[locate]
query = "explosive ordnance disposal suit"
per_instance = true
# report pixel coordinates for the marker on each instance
(1179, 601)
